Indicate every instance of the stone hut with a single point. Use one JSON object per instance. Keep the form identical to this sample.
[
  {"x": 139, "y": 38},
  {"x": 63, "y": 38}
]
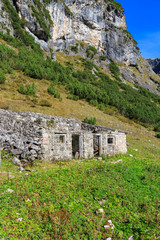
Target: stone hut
[{"x": 37, "y": 136}]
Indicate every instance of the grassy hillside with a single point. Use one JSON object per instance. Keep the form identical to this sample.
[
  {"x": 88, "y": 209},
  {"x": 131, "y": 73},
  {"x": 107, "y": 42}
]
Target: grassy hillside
[{"x": 27, "y": 75}]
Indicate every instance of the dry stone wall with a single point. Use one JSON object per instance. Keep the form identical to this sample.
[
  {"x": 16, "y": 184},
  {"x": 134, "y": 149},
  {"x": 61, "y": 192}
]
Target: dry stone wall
[{"x": 20, "y": 134}]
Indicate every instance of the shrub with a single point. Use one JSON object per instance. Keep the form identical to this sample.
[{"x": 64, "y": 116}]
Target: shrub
[
  {"x": 157, "y": 127},
  {"x": 51, "y": 90},
  {"x": 94, "y": 102},
  {"x": 69, "y": 66},
  {"x": 40, "y": 18},
  {"x": 91, "y": 51},
  {"x": 89, "y": 65},
  {"x": 102, "y": 58},
  {"x": 74, "y": 48},
  {"x": 29, "y": 90},
  {"x": 82, "y": 44},
  {"x": 33, "y": 70},
  {"x": 114, "y": 70},
  {"x": 158, "y": 135},
  {"x": 91, "y": 120},
  {"x": 101, "y": 107},
  {"x": 2, "y": 77},
  {"x": 73, "y": 97},
  {"x": 22, "y": 89}
]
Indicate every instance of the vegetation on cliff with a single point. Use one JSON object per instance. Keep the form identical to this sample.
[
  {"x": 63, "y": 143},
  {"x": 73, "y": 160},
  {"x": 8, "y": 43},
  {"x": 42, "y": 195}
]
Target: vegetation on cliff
[
  {"x": 18, "y": 25},
  {"x": 115, "y": 4}
]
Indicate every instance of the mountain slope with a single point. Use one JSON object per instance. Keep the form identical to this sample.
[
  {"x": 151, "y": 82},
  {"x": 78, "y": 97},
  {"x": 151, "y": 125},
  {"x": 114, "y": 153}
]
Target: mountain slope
[
  {"x": 101, "y": 80},
  {"x": 73, "y": 26},
  {"x": 81, "y": 78},
  {"x": 155, "y": 64}
]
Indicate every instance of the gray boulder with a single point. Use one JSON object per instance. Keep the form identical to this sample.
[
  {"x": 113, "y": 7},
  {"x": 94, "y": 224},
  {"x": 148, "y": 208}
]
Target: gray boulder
[{"x": 16, "y": 161}]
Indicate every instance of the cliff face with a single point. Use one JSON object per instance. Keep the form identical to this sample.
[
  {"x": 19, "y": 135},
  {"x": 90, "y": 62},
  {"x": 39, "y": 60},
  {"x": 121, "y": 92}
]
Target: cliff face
[
  {"x": 5, "y": 22},
  {"x": 99, "y": 23},
  {"x": 155, "y": 64},
  {"x": 58, "y": 25}
]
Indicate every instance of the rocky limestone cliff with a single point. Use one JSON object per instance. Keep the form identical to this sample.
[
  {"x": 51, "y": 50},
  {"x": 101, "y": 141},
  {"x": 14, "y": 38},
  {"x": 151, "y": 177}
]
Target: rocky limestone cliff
[
  {"x": 5, "y": 22},
  {"x": 98, "y": 23},
  {"x": 58, "y": 25},
  {"x": 155, "y": 64}
]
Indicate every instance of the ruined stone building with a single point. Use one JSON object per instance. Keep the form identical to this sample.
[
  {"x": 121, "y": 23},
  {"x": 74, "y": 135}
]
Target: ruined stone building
[{"x": 37, "y": 136}]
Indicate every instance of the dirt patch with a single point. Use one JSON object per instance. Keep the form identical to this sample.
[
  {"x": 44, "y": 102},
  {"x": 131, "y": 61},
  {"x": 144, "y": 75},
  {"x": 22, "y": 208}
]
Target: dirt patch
[{"x": 6, "y": 175}]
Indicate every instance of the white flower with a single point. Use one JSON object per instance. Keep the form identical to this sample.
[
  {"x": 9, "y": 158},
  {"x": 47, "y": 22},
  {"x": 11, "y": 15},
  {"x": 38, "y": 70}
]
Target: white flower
[
  {"x": 101, "y": 210},
  {"x": 110, "y": 221},
  {"x": 10, "y": 190},
  {"x": 106, "y": 226}
]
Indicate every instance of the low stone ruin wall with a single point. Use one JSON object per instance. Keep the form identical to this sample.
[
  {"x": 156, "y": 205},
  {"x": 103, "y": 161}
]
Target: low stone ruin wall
[{"x": 20, "y": 134}]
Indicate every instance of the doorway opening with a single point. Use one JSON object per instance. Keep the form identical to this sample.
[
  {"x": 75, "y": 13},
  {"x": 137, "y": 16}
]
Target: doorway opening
[
  {"x": 96, "y": 145},
  {"x": 75, "y": 146}
]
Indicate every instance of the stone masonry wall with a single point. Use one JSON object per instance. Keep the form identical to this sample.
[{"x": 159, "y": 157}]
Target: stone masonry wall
[
  {"x": 118, "y": 145},
  {"x": 121, "y": 146},
  {"x": 57, "y": 138},
  {"x": 33, "y": 135},
  {"x": 88, "y": 145},
  {"x": 20, "y": 134}
]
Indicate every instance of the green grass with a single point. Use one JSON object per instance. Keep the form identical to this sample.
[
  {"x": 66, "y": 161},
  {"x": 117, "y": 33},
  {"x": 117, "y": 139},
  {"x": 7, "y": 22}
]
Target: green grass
[{"x": 59, "y": 201}]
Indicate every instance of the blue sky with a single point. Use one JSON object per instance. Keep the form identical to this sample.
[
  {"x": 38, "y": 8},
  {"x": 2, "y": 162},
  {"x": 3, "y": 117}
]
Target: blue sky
[{"x": 143, "y": 21}]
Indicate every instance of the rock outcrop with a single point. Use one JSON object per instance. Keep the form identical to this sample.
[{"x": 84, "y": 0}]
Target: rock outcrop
[
  {"x": 63, "y": 25},
  {"x": 5, "y": 22},
  {"x": 60, "y": 24},
  {"x": 155, "y": 64}
]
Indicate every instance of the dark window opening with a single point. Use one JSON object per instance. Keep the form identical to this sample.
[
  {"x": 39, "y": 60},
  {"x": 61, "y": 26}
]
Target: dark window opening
[
  {"x": 60, "y": 138},
  {"x": 110, "y": 140},
  {"x": 75, "y": 146}
]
